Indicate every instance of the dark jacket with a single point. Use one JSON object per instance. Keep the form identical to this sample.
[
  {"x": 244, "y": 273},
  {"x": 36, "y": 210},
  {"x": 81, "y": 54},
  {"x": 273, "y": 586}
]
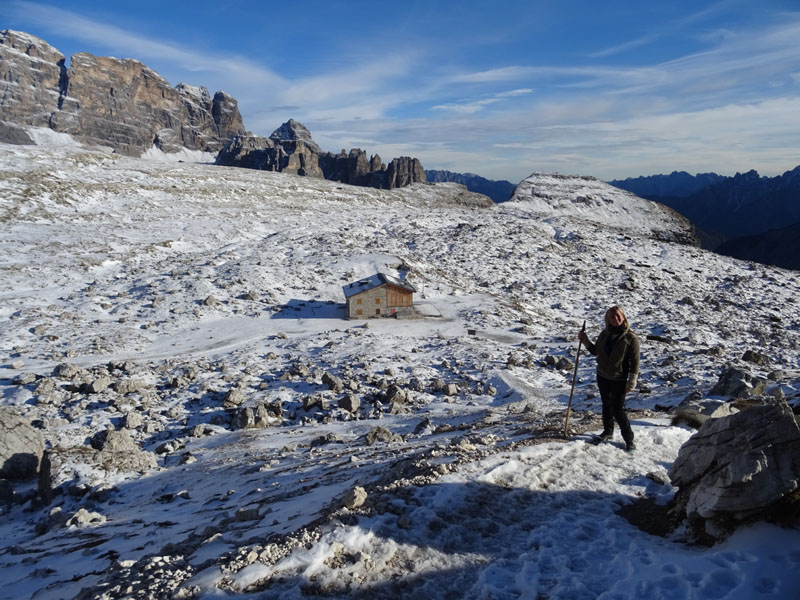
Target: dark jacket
[{"x": 617, "y": 359}]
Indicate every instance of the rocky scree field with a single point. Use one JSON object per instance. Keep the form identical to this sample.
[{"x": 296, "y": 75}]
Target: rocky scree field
[{"x": 175, "y": 333}]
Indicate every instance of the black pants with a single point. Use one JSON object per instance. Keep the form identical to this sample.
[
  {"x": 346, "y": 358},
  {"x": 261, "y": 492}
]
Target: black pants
[{"x": 612, "y": 392}]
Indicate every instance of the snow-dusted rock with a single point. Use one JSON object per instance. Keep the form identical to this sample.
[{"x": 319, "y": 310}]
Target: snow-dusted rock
[
  {"x": 132, "y": 420},
  {"x": 354, "y": 498},
  {"x": 695, "y": 411},
  {"x": 21, "y": 445},
  {"x": 83, "y": 518},
  {"x": 333, "y": 382},
  {"x": 737, "y": 383},
  {"x": 68, "y": 371},
  {"x": 95, "y": 386},
  {"x": 236, "y": 396},
  {"x": 118, "y": 452},
  {"x": 129, "y": 386},
  {"x": 350, "y": 403},
  {"x": 381, "y": 434},
  {"x": 756, "y": 358},
  {"x": 738, "y": 467},
  {"x": 257, "y": 415}
]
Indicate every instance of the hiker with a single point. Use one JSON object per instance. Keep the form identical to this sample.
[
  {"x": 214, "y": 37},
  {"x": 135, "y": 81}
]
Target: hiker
[{"x": 617, "y": 352}]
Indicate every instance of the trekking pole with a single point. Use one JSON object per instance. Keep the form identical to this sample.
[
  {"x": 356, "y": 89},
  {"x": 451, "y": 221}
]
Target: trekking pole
[{"x": 574, "y": 376}]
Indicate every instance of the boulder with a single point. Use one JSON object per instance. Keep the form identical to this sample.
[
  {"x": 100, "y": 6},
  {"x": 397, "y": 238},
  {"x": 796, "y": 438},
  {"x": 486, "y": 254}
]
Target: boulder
[
  {"x": 736, "y": 383},
  {"x": 234, "y": 397},
  {"x": 21, "y": 445},
  {"x": 350, "y": 403},
  {"x": 132, "y": 420},
  {"x": 451, "y": 389},
  {"x": 12, "y": 134},
  {"x": 354, "y": 498},
  {"x": 257, "y": 415},
  {"x": 381, "y": 434},
  {"x": 116, "y": 451},
  {"x": 756, "y": 358},
  {"x": 130, "y": 386},
  {"x": 68, "y": 371},
  {"x": 694, "y": 411},
  {"x": 332, "y": 382},
  {"x": 97, "y": 385},
  {"x": 736, "y": 468}
]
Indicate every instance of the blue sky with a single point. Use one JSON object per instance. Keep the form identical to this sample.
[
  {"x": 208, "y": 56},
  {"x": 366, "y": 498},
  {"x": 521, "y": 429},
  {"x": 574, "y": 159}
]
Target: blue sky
[{"x": 611, "y": 89}]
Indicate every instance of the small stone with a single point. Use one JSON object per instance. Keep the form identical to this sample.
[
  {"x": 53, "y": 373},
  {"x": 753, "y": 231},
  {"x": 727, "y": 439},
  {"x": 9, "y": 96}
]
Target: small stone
[
  {"x": 355, "y": 498},
  {"x": 247, "y": 514}
]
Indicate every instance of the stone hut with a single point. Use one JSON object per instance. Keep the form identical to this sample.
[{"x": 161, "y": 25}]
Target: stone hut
[{"x": 379, "y": 295}]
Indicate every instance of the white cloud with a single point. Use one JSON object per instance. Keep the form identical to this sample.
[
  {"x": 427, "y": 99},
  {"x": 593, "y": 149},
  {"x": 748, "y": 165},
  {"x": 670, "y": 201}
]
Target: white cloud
[
  {"x": 474, "y": 106},
  {"x": 233, "y": 68},
  {"x": 513, "y": 73}
]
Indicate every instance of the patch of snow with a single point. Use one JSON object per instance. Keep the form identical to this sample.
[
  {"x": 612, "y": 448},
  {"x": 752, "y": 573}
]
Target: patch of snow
[{"x": 183, "y": 155}]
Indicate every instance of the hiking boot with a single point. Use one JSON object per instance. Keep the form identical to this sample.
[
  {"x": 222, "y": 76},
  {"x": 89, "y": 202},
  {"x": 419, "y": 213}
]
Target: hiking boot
[
  {"x": 605, "y": 436},
  {"x": 630, "y": 447}
]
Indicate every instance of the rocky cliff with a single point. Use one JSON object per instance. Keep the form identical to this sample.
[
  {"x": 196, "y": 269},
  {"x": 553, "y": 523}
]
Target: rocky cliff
[
  {"x": 108, "y": 101},
  {"x": 291, "y": 149}
]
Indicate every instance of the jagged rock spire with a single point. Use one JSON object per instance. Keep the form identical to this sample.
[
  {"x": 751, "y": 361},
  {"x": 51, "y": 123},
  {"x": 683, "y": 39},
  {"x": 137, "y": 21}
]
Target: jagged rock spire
[{"x": 293, "y": 131}]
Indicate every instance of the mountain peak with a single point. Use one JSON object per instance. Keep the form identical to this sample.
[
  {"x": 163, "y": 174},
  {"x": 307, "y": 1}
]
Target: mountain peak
[{"x": 294, "y": 131}]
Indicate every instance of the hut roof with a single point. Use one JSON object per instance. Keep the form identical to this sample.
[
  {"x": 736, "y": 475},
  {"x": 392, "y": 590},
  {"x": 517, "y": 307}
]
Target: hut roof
[{"x": 373, "y": 281}]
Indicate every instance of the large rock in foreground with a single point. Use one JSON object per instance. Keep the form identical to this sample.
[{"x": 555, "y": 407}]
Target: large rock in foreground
[
  {"x": 738, "y": 468},
  {"x": 21, "y": 446}
]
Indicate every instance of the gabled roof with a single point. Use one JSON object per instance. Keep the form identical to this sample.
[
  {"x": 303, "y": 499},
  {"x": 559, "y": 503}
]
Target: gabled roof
[{"x": 373, "y": 281}]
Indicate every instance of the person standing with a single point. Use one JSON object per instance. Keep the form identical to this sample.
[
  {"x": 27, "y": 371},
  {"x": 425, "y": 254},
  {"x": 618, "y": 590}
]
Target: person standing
[{"x": 617, "y": 352}]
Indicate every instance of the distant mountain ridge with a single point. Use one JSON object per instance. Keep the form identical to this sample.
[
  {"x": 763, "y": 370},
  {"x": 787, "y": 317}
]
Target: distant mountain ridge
[
  {"x": 745, "y": 216},
  {"x": 745, "y": 204},
  {"x": 676, "y": 184},
  {"x": 125, "y": 105},
  {"x": 497, "y": 190}
]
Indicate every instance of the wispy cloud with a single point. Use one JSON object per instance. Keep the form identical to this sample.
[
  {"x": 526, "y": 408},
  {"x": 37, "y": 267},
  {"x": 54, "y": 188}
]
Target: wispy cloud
[
  {"x": 625, "y": 46},
  {"x": 664, "y": 29},
  {"x": 502, "y": 74},
  {"x": 64, "y": 22},
  {"x": 471, "y": 107}
]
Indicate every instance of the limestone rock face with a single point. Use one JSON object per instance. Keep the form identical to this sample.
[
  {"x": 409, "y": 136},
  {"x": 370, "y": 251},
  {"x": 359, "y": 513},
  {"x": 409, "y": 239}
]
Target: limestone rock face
[
  {"x": 32, "y": 76},
  {"x": 109, "y": 101},
  {"x": 404, "y": 171},
  {"x": 739, "y": 467},
  {"x": 290, "y": 149}
]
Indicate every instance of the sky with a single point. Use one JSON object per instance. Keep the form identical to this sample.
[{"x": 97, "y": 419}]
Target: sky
[{"x": 611, "y": 89}]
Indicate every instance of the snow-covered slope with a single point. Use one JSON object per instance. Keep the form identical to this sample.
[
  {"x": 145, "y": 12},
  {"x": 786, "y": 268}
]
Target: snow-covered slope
[
  {"x": 202, "y": 284},
  {"x": 588, "y": 198}
]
